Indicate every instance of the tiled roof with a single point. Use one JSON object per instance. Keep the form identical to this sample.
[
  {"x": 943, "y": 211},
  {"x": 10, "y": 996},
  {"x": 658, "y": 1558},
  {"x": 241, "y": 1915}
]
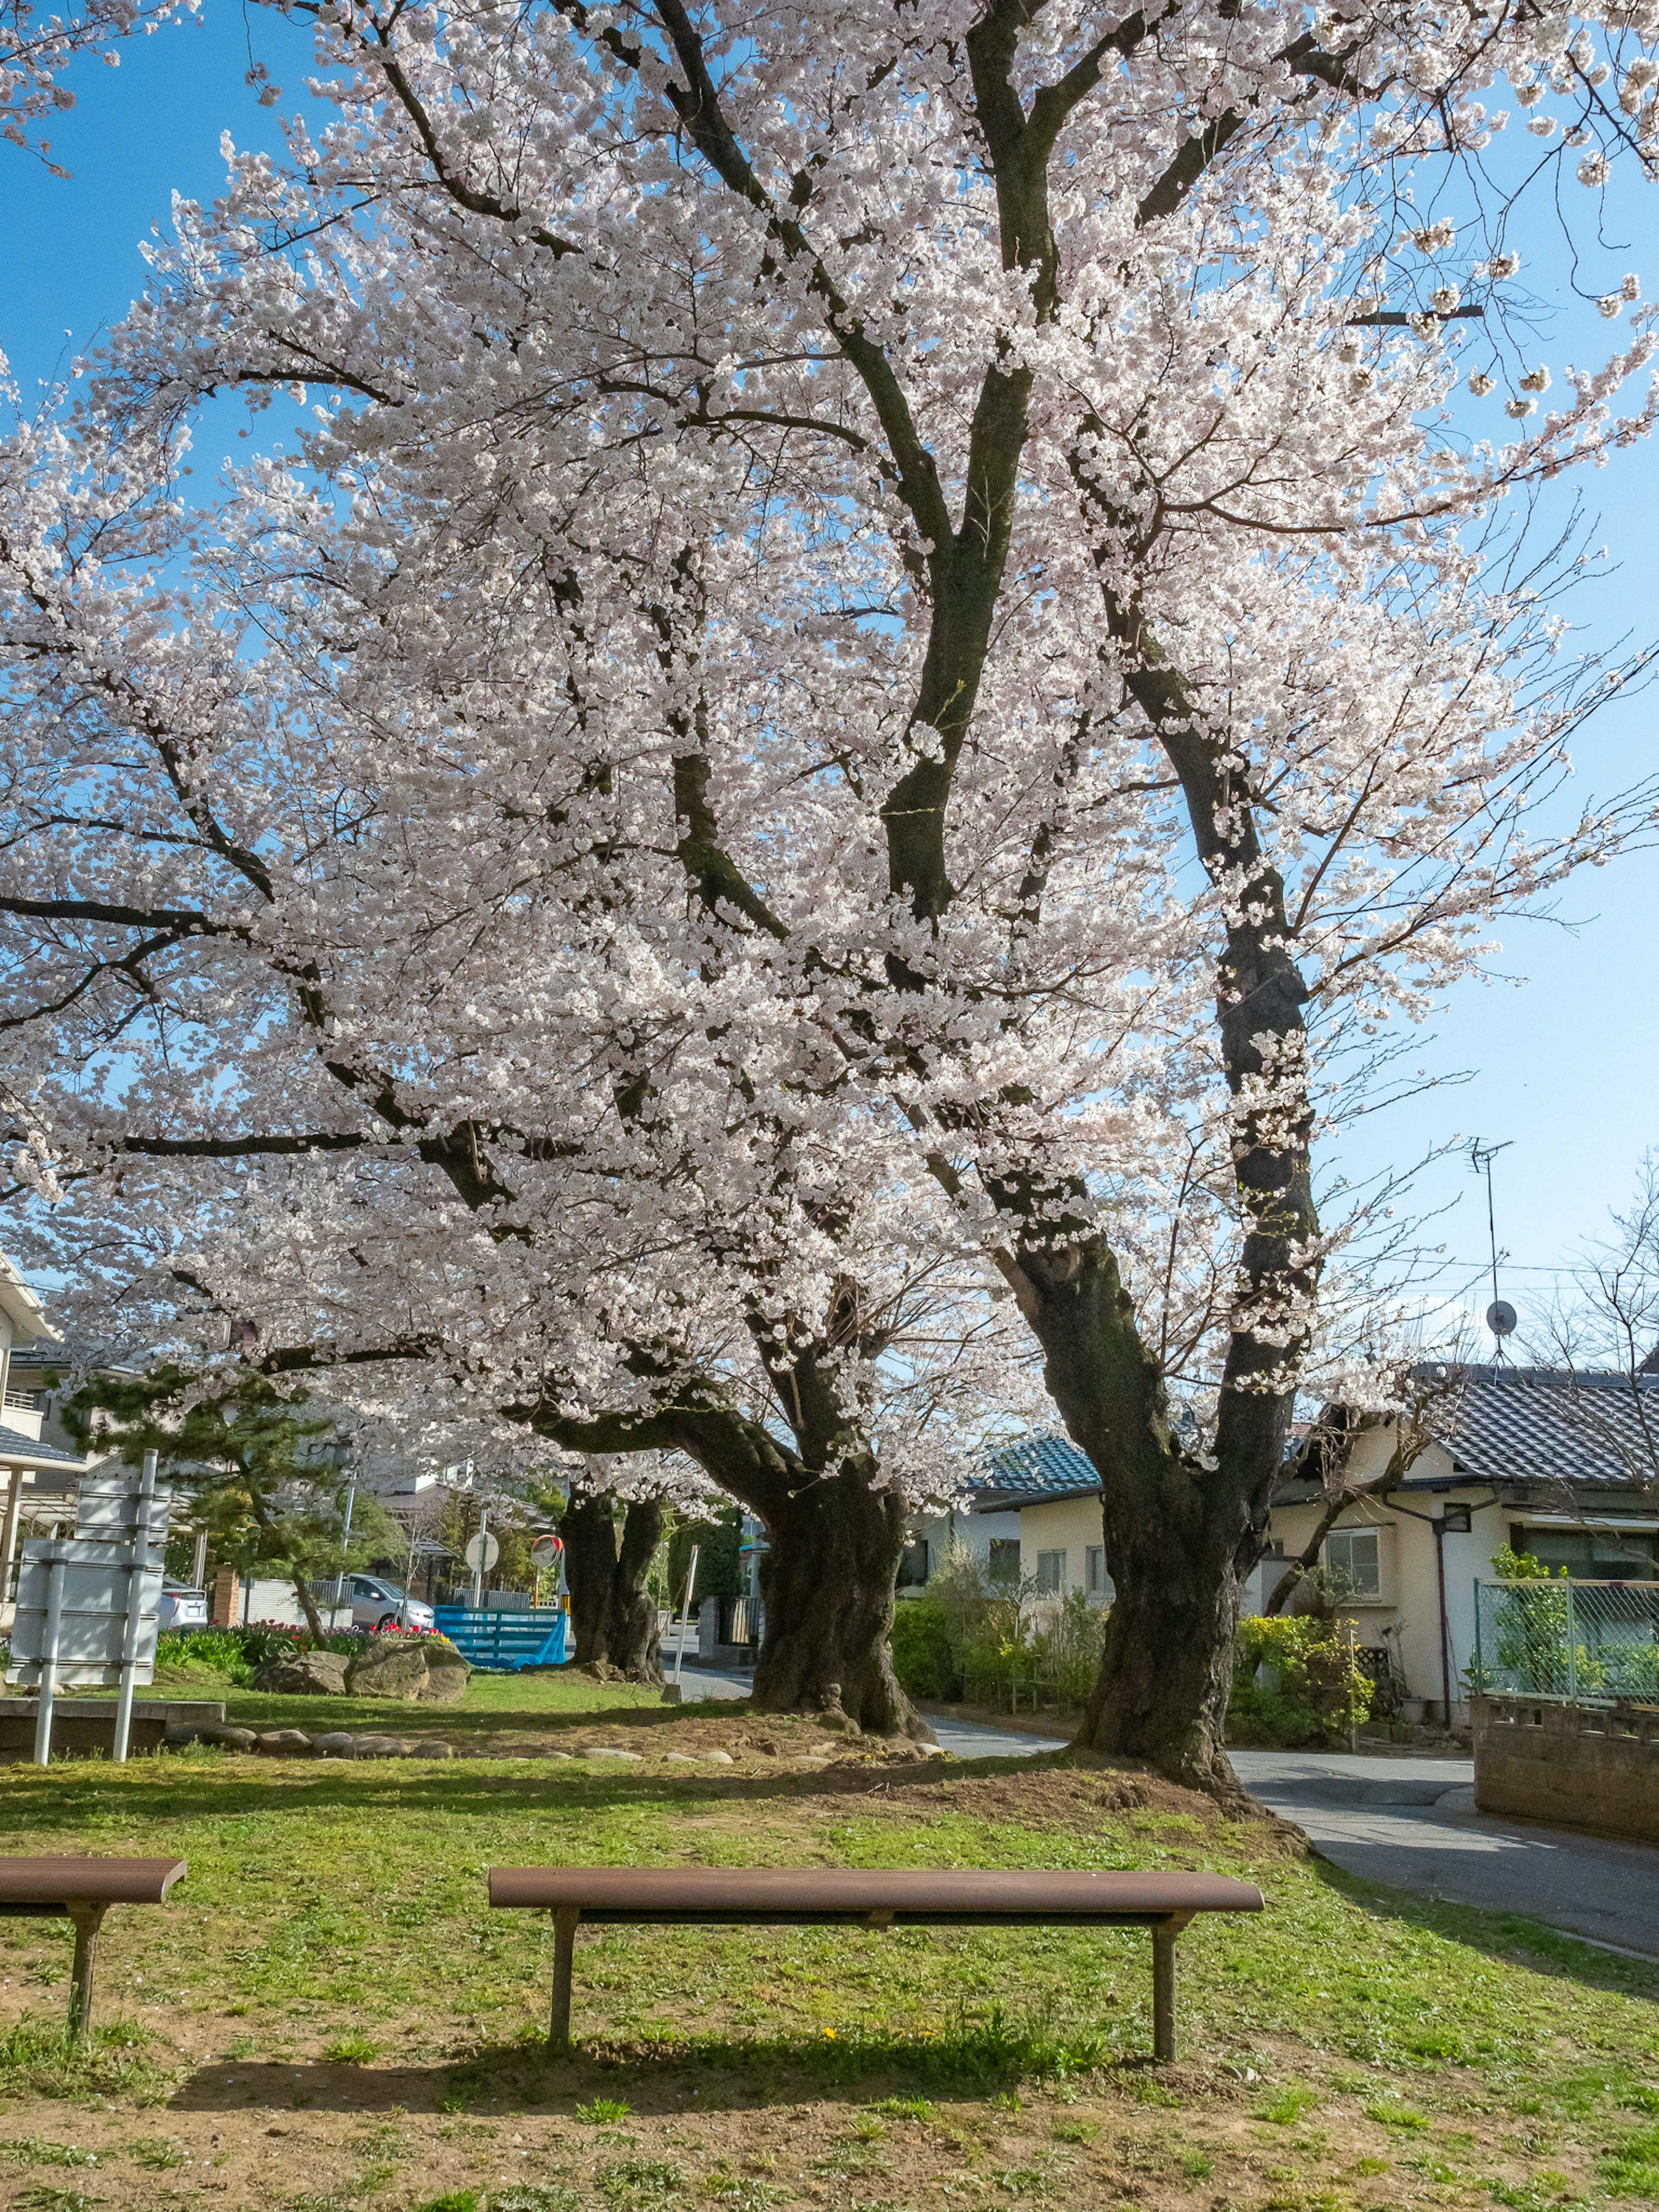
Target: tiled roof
[
  {"x": 1539, "y": 1424},
  {"x": 17, "y": 1447},
  {"x": 1038, "y": 1467}
]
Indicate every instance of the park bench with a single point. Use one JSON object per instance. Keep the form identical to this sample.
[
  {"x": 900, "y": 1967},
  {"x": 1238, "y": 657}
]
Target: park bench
[
  {"x": 771, "y": 1897},
  {"x": 83, "y": 1890}
]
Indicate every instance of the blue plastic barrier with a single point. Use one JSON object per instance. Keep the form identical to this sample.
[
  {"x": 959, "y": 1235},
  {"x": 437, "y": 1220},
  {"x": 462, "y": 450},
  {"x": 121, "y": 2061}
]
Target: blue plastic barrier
[{"x": 500, "y": 1643}]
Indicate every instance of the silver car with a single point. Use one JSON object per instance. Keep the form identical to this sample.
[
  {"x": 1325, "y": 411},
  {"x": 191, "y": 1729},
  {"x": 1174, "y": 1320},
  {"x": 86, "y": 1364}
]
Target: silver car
[
  {"x": 377, "y": 1603},
  {"x": 180, "y": 1607}
]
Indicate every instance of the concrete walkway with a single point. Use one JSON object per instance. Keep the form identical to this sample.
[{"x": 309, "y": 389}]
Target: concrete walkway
[
  {"x": 963, "y": 1738},
  {"x": 1408, "y": 1821}
]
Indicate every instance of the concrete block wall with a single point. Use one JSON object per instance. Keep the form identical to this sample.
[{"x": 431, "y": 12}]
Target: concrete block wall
[{"x": 1581, "y": 1766}]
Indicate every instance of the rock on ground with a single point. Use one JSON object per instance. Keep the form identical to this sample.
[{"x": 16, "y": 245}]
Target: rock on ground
[
  {"x": 303, "y": 1674},
  {"x": 414, "y": 1668},
  {"x": 283, "y": 1743}
]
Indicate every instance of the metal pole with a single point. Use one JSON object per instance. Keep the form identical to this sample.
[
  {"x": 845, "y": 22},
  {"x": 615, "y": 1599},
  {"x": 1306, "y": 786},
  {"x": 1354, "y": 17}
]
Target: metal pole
[
  {"x": 88, "y": 1920},
  {"x": 1164, "y": 2031},
  {"x": 1354, "y": 1669},
  {"x": 685, "y": 1612},
  {"x": 137, "y": 1560},
  {"x": 478, "y": 1571},
  {"x": 49, "y": 1642},
  {"x": 1572, "y": 1647},
  {"x": 198, "y": 1565},
  {"x": 565, "y": 1917},
  {"x": 345, "y": 1540}
]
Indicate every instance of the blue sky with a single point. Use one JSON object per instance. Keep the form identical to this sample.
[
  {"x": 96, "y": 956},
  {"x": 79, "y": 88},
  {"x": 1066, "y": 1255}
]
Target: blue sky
[{"x": 1563, "y": 1055}]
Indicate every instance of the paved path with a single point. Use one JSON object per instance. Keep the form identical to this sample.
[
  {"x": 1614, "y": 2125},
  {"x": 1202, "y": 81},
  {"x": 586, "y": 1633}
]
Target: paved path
[
  {"x": 967, "y": 1738},
  {"x": 1408, "y": 1821}
]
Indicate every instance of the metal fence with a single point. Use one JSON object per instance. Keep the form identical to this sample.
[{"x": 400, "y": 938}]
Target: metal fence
[{"x": 1593, "y": 1643}]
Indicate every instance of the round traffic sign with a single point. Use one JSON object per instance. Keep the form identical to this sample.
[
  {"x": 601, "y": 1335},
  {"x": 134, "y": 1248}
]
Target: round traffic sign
[{"x": 482, "y": 1549}]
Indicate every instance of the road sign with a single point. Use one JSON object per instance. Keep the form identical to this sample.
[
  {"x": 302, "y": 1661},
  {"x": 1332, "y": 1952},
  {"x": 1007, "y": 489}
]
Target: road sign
[
  {"x": 546, "y": 1550},
  {"x": 482, "y": 1551}
]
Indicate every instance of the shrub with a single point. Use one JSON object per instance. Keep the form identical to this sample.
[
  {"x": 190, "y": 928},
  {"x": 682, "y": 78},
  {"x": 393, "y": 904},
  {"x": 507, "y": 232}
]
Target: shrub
[
  {"x": 1296, "y": 1683},
  {"x": 925, "y": 1658}
]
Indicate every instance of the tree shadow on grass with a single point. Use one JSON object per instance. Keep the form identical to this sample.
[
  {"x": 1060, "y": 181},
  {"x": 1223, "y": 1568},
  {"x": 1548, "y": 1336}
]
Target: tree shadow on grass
[
  {"x": 980, "y": 2057},
  {"x": 1514, "y": 1938}
]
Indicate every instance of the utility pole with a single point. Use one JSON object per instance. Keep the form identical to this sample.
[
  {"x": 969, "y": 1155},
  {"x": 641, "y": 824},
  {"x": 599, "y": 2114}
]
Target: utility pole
[{"x": 1500, "y": 1314}]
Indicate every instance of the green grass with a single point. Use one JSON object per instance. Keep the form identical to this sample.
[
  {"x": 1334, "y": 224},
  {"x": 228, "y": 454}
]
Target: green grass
[{"x": 337, "y": 1913}]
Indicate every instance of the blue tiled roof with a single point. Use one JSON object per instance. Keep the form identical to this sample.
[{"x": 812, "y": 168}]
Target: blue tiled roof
[
  {"x": 1039, "y": 1467},
  {"x": 15, "y": 1447}
]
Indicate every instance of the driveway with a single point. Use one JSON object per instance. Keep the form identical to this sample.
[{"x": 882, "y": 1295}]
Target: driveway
[{"x": 1408, "y": 1821}]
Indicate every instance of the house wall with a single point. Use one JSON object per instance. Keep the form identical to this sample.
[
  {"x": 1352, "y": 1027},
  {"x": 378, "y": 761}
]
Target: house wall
[
  {"x": 973, "y": 1531},
  {"x": 1071, "y": 1525},
  {"x": 1408, "y": 1614}
]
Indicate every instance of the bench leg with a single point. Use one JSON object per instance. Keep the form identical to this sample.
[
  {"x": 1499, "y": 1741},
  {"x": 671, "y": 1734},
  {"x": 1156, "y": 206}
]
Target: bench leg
[
  {"x": 88, "y": 1920},
  {"x": 1163, "y": 1994},
  {"x": 565, "y": 1917}
]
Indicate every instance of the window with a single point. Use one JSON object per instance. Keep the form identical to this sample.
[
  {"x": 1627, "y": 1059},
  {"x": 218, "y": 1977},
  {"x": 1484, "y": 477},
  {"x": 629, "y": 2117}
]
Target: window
[
  {"x": 1096, "y": 1580},
  {"x": 1003, "y": 1563},
  {"x": 1354, "y": 1557},
  {"x": 1594, "y": 1555},
  {"x": 1051, "y": 1572},
  {"x": 913, "y": 1565}
]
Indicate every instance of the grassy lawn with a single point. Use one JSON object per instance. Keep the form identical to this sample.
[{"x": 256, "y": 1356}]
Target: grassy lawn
[{"x": 328, "y": 2016}]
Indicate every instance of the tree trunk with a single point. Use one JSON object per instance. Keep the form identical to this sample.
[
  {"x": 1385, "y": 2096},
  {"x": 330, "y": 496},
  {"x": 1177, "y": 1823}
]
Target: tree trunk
[
  {"x": 634, "y": 1643},
  {"x": 309, "y": 1607},
  {"x": 611, "y": 1614},
  {"x": 827, "y": 1581},
  {"x": 589, "y": 1529},
  {"x": 1166, "y": 1669}
]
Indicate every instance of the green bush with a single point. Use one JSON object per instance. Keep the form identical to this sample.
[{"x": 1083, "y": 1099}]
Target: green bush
[
  {"x": 1296, "y": 1683},
  {"x": 925, "y": 1661}
]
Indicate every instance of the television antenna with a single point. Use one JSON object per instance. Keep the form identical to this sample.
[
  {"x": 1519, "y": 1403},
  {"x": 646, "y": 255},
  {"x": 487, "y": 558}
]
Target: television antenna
[{"x": 1501, "y": 1315}]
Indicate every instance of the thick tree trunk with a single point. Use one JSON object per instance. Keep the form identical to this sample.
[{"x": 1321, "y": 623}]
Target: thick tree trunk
[
  {"x": 828, "y": 1579},
  {"x": 589, "y": 1529},
  {"x": 1166, "y": 1669},
  {"x": 634, "y": 1642},
  {"x": 612, "y": 1618}
]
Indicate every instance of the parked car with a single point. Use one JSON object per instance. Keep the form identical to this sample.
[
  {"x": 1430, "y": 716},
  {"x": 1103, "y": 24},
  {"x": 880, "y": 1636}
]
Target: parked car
[
  {"x": 180, "y": 1607},
  {"x": 377, "y": 1603}
]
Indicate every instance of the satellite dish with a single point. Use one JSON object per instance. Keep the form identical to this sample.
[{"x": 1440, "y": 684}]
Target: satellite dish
[{"x": 1501, "y": 1317}]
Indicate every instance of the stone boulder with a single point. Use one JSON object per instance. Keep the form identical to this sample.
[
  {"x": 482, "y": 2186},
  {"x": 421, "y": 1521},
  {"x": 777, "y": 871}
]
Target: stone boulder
[
  {"x": 283, "y": 1743},
  {"x": 227, "y": 1736},
  {"x": 447, "y": 1672},
  {"x": 303, "y": 1674},
  {"x": 414, "y": 1668}
]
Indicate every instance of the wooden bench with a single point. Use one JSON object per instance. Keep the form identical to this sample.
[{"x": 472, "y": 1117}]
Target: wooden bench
[
  {"x": 772, "y": 1896},
  {"x": 83, "y": 1890}
]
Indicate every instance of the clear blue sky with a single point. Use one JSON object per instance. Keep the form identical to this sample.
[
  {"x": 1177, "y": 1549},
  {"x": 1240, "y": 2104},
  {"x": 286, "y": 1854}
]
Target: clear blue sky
[{"x": 1563, "y": 1059}]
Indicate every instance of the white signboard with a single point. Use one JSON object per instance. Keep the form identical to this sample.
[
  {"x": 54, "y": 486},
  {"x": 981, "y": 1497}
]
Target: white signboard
[{"x": 88, "y": 1605}]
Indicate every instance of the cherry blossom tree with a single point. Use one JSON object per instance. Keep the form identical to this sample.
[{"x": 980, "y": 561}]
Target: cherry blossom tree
[{"x": 864, "y": 656}]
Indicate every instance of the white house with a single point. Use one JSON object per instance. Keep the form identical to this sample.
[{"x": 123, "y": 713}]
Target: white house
[
  {"x": 1561, "y": 1467},
  {"x": 40, "y": 1474}
]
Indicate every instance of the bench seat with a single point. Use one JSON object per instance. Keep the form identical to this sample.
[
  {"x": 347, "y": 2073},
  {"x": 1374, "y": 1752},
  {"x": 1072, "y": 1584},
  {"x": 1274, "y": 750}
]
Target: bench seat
[
  {"x": 83, "y": 1890},
  {"x": 908, "y": 1897}
]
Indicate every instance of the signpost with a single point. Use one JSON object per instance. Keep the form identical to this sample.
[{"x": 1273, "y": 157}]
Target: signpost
[
  {"x": 88, "y": 1605},
  {"x": 481, "y": 1554}
]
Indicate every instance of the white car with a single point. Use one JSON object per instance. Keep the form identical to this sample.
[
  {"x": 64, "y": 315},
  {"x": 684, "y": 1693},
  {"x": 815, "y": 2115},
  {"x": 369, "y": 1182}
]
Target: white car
[
  {"x": 180, "y": 1607},
  {"x": 377, "y": 1603}
]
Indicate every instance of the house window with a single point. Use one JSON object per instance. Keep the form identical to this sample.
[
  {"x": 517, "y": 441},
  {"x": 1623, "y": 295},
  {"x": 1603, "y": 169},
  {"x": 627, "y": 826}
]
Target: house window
[
  {"x": 1354, "y": 1557},
  {"x": 1596, "y": 1555},
  {"x": 1051, "y": 1572},
  {"x": 1096, "y": 1580},
  {"x": 913, "y": 1565},
  {"x": 1003, "y": 1563}
]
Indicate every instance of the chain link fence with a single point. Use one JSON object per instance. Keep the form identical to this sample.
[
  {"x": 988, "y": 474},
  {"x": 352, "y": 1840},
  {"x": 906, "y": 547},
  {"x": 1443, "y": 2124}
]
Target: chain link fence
[{"x": 1591, "y": 1642}]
